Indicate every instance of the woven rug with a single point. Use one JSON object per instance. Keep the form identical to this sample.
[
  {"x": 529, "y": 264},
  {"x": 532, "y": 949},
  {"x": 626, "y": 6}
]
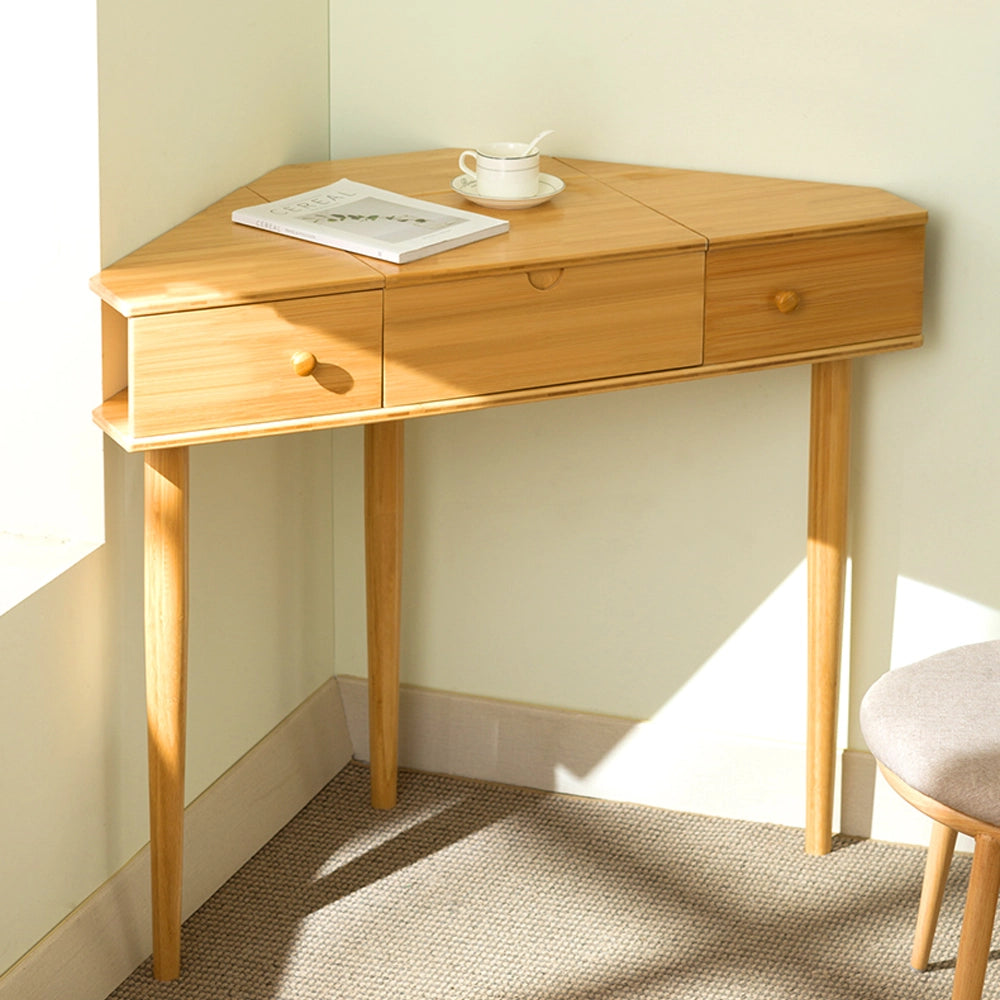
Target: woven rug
[{"x": 471, "y": 891}]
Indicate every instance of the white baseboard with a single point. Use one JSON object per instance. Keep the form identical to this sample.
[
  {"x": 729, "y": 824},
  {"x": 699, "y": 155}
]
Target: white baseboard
[
  {"x": 651, "y": 763},
  {"x": 105, "y": 938},
  {"x": 690, "y": 769}
]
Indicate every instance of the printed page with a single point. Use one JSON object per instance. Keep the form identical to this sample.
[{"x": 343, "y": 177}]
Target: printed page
[{"x": 382, "y": 220}]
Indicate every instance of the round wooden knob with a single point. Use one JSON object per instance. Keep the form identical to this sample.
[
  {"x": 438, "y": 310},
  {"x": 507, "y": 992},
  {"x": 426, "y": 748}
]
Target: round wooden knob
[
  {"x": 787, "y": 301},
  {"x": 303, "y": 362}
]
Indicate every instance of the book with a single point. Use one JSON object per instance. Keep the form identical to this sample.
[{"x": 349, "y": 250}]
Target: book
[{"x": 372, "y": 222}]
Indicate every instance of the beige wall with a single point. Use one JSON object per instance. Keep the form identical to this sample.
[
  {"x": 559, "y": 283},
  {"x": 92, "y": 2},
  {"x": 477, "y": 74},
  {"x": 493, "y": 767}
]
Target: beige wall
[
  {"x": 195, "y": 99},
  {"x": 641, "y": 554}
]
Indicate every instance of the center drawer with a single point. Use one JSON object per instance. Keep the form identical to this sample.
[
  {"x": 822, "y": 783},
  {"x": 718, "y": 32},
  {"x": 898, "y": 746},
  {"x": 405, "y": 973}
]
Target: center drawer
[
  {"x": 236, "y": 365},
  {"x": 520, "y": 330}
]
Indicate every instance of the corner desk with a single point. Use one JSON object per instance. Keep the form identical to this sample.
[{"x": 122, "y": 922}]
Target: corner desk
[{"x": 632, "y": 276}]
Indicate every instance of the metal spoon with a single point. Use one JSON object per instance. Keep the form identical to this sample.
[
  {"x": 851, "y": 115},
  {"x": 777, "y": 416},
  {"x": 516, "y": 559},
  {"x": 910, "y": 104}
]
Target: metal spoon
[{"x": 530, "y": 148}]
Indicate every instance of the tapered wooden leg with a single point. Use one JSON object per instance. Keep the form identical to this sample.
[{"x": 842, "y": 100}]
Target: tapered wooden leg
[
  {"x": 166, "y": 555},
  {"x": 383, "y": 552},
  {"x": 935, "y": 877},
  {"x": 977, "y": 924},
  {"x": 827, "y": 560}
]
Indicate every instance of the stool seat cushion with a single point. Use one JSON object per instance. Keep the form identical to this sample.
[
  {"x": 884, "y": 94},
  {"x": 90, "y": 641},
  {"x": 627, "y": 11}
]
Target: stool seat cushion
[{"x": 936, "y": 724}]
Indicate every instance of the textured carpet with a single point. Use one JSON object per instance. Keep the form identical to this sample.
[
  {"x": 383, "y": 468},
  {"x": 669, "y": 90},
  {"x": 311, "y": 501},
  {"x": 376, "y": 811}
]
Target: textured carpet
[{"x": 469, "y": 891}]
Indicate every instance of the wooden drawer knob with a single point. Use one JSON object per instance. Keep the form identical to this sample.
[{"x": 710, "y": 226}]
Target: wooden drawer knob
[
  {"x": 303, "y": 362},
  {"x": 787, "y": 301}
]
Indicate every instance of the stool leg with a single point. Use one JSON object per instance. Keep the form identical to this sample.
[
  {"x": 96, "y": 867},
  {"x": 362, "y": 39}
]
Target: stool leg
[
  {"x": 935, "y": 876},
  {"x": 977, "y": 924}
]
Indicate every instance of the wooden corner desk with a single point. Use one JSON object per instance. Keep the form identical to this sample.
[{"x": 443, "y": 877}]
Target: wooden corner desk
[{"x": 632, "y": 276}]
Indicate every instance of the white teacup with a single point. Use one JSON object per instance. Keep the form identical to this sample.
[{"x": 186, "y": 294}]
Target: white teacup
[{"x": 502, "y": 170}]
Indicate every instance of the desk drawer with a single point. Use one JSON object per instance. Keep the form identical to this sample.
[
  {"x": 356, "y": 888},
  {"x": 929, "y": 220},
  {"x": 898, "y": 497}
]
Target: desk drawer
[
  {"x": 225, "y": 367},
  {"x": 763, "y": 301},
  {"x": 516, "y": 331}
]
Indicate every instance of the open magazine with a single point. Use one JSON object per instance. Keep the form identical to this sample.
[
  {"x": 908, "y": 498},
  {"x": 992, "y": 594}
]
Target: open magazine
[{"x": 372, "y": 222}]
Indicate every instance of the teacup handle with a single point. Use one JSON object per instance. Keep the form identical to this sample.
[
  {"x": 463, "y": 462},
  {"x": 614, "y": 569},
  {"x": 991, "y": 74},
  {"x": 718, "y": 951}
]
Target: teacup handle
[{"x": 461, "y": 162}]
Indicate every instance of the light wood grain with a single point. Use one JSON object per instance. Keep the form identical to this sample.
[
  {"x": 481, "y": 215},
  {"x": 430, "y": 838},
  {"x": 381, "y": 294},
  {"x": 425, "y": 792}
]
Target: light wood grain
[
  {"x": 502, "y": 333},
  {"x": 609, "y": 214},
  {"x": 166, "y": 598},
  {"x": 416, "y": 174},
  {"x": 383, "y": 556},
  {"x": 218, "y": 367},
  {"x": 113, "y": 415},
  {"x": 978, "y": 920},
  {"x": 587, "y": 222},
  {"x": 938, "y": 811},
  {"x": 209, "y": 261},
  {"x": 731, "y": 209},
  {"x": 114, "y": 351},
  {"x": 836, "y": 290},
  {"x": 826, "y": 557},
  {"x": 939, "y": 857},
  {"x": 601, "y": 288}
]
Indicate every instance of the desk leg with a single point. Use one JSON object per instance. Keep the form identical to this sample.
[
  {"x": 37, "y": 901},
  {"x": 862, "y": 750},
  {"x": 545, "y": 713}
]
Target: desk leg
[
  {"x": 383, "y": 553},
  {"x": 166, "y": 545},
  {"x": 826, "y": 558}
]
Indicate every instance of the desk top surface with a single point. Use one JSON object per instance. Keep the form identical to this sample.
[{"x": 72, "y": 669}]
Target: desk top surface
[{"x": 608, "y": 211}]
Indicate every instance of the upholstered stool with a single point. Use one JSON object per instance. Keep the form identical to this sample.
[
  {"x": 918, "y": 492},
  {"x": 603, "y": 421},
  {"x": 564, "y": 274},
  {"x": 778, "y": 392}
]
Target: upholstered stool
[{"x": 934, "y": 728}]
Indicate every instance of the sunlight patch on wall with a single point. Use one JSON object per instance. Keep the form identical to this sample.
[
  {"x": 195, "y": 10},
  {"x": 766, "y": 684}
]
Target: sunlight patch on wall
[
  {"x": 731, "y": 741},
  {"x": 754, "y": 684},
  {"x": 929, "y": 620}
]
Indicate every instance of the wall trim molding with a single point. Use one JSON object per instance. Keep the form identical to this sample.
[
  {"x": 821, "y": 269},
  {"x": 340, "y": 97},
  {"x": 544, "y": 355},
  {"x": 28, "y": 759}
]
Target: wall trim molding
[
  {"x": 108, "y": 935},
  {"x": 689, "y": 768},
  {"x": 656, "y": 762}
]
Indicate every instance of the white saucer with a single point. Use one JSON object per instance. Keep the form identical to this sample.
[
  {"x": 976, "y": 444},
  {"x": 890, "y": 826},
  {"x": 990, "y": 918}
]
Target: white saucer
[{"x": 548, "y": 187}]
